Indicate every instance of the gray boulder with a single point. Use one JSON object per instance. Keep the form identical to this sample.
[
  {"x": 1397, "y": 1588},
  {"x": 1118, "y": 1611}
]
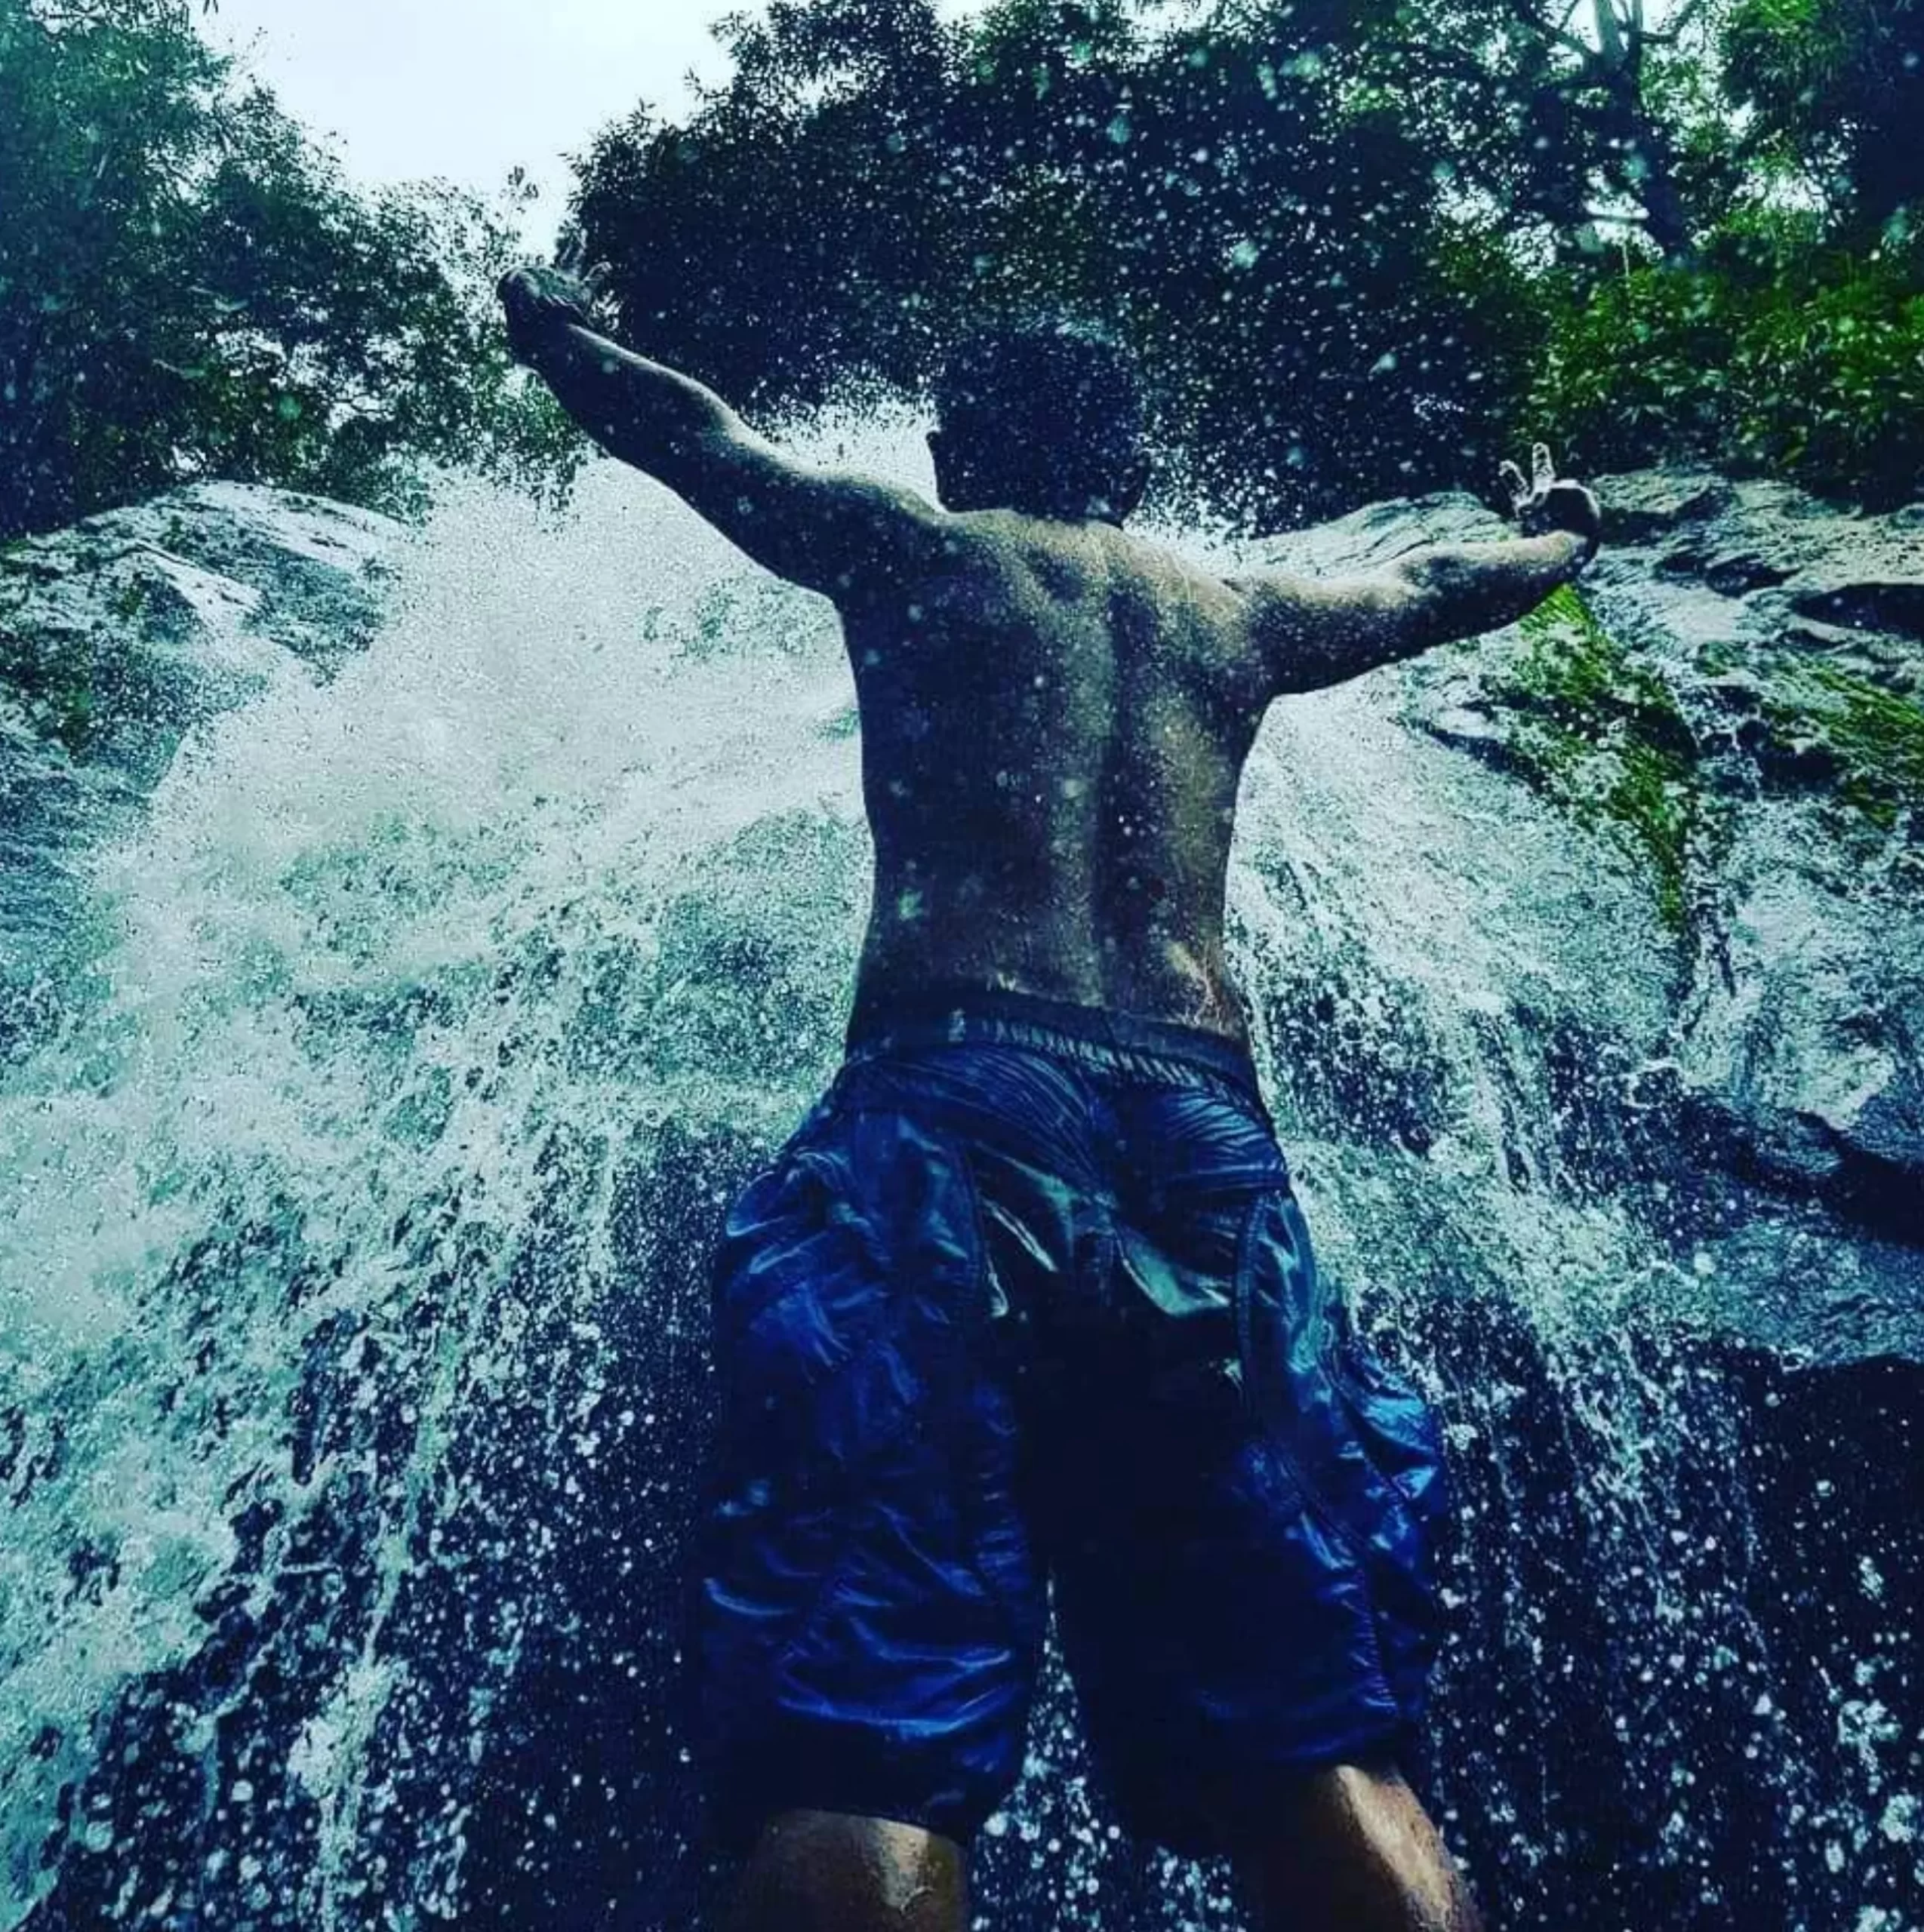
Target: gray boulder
[{"x": 118, "y": 637}]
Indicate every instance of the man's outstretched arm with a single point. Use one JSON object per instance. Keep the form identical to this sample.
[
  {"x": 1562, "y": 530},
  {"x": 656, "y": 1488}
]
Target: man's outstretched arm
[
  {"x": 827, "y": 531},
  {"x": 1310, "y": 633}
]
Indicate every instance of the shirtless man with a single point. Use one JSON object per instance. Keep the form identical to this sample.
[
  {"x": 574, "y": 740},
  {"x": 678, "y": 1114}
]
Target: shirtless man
[{"x": 1027, "y": 1298}]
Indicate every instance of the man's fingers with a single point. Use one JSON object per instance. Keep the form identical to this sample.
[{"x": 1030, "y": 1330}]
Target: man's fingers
[
  {"x": 1544, "y": 464},
  {"x": 1514, "y": 481}
]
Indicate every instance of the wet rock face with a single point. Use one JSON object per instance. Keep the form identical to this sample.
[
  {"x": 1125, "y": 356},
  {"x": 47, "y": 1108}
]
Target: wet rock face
[
  {"x": 1804, "y": 1019},
  {"x": 342, "y": 1572},
  {"x": 125, "y": 630},
  {"x": 120, "y": 635},
  {"x": 1766, "y": 649}
]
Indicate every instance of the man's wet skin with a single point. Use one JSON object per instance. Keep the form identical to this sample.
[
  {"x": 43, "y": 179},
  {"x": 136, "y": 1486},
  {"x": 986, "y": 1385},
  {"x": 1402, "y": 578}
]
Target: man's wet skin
[{"x": 1054, "y": 727}]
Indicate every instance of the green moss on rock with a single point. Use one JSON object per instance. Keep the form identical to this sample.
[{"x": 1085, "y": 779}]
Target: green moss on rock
[
  {"x": 1603, "y": 735},
  {"x": 52, "y": 681},
  {"x": 1867, "y": 740}
]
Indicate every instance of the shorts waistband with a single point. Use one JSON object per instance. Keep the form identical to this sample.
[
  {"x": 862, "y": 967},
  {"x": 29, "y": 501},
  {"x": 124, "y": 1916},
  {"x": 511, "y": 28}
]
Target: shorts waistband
[{"x": 1092, "y": 1035}]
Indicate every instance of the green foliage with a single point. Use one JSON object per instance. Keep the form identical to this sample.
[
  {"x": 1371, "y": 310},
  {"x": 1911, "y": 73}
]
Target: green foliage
[
  {"x": 1604, "y": 736},
  {"x": 1550, "y": 110},
  {"x": 1360, "y": 248},
  {"x": 1632, "y": 367},
  {"x": 1835, "y": 90},
  {"x": 1777, "y": 352},
  {"x": 1243, "y": 204},
  {"x": 188, "y": 287},
  {"x": 1363, "y": 247}
]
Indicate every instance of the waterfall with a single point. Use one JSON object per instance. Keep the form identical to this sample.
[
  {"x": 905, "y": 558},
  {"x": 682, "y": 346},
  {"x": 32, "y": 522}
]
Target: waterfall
[{"x": 353, "y": 1356}]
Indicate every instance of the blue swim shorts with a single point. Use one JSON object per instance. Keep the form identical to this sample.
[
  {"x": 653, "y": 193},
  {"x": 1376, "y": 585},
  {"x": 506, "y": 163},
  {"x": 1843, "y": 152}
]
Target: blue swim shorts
[{"x": 1028, "y": 1298}]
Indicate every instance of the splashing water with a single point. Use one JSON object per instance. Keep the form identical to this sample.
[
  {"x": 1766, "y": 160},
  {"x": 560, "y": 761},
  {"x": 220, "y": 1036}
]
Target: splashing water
[{"x": 355, "y": 1371}]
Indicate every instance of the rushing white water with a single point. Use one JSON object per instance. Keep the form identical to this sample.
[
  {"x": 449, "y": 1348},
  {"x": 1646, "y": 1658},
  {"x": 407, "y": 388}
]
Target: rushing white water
[{"x": 352, "y": 1355}]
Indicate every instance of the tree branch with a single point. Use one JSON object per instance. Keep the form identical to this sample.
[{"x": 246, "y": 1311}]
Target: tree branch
[
  {"x": 1609, "y": 34},
  {"x": 1681, "y": 18},
  {"x": 1561, "y": 36}
]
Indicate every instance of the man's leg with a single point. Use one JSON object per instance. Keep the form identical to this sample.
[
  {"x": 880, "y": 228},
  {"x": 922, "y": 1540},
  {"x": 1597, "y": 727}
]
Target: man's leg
[
  {"x": 1353, "y": 1851},
  {"x": 869, "y": 1612},
  {"x": 826, "y": 1872}
]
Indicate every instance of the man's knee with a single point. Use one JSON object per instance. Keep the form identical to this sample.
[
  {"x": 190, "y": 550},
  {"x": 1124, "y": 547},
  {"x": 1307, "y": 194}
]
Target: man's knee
[
  {"x": 827, "y": 1872},
  {"x": 1353, "y": 1848}
]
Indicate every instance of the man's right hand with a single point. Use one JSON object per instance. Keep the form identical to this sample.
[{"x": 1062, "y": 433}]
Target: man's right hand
[
  {"x": 1311, "y": 633},
  {"x": 1544, "y": 501},
  {"x": 539, "y": 298}
]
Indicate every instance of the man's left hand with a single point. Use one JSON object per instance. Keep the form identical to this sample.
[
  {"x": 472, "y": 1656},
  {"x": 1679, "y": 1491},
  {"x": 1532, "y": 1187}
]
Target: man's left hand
[{"x": 1543, "y": 501}]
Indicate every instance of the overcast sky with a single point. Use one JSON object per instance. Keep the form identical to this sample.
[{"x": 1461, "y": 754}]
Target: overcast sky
[{"x": 469, "y": 89}]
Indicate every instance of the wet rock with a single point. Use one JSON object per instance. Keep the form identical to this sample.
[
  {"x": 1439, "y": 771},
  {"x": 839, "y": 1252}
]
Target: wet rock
[
  {"x": 1636, "y": 1198},
  {"x": 1647, "y": 503},
  {"x": 1784, "y": 1541},
  {"x": 1799, "y": 1023},
  {"x": 1865, "y": 603},
  {"x": 120, "y": 635},
  {"x": 1730, "y": 572}
]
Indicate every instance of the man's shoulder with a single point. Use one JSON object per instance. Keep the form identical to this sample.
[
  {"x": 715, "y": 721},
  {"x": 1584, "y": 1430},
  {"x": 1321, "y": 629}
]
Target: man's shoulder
[
  {"x": 998, "y": 553},
  {"x": 1013, "y": 538},
  {"x": 983, "y": 548}
]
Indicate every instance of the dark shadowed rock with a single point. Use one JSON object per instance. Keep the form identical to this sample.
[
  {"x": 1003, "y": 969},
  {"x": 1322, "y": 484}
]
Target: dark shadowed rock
[{"x": 1650, "y": 503}]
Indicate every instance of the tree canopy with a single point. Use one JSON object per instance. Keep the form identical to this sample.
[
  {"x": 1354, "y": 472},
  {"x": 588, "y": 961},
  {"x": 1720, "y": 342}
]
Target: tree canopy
[
  {"x": 1361, "y": 245},
  {"x": 189, "y": 286}
]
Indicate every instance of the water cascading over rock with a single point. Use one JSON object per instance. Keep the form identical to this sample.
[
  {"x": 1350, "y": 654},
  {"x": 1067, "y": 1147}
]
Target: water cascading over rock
[{"x": 386, "y": 1027}]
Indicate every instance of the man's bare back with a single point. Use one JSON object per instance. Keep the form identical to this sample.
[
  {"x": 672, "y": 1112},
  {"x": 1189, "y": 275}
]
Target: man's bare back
[
  {"x": 1055, "y": 716},
  {"x": 1053, "y": 729}
]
